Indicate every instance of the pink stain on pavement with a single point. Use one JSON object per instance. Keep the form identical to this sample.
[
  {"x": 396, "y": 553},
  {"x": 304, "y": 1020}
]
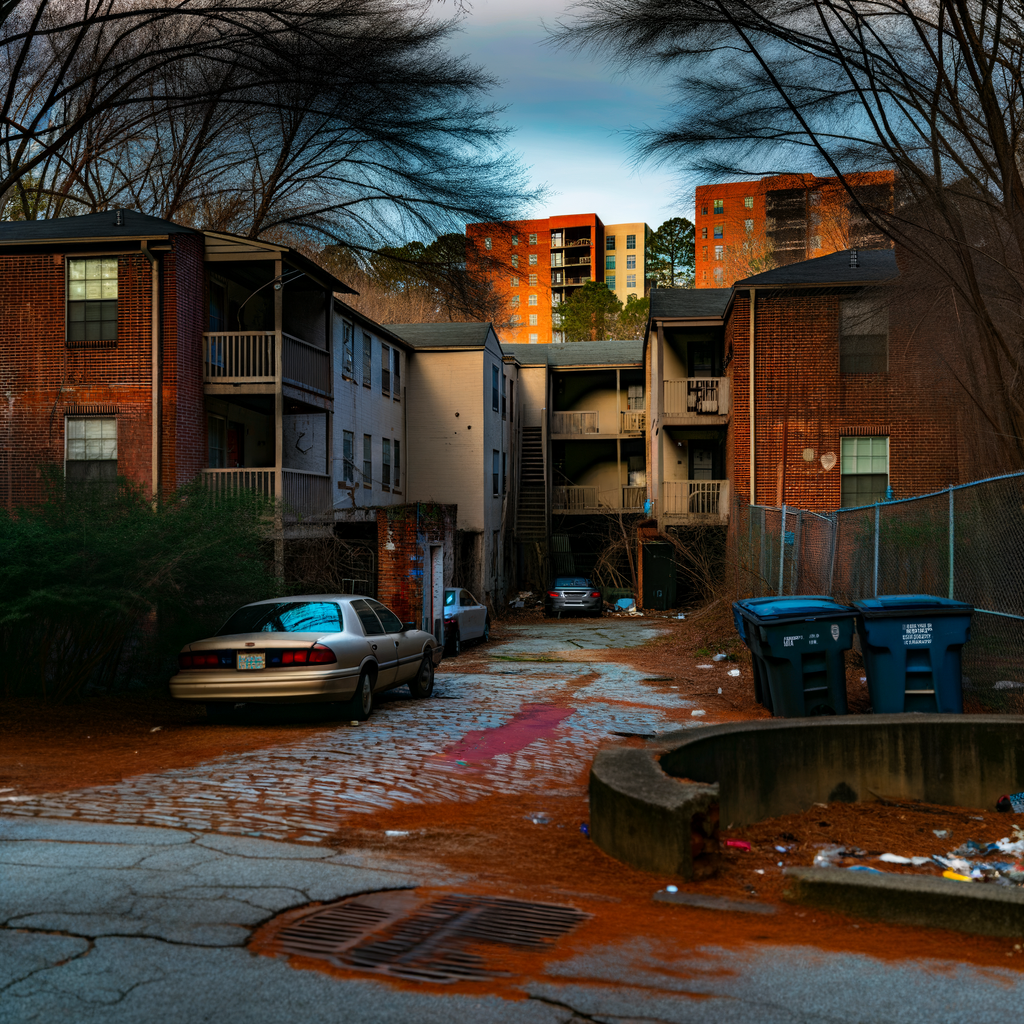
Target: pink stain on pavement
[{"x": 532, "y": 722}]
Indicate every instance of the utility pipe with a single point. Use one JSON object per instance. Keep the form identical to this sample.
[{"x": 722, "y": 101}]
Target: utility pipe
[
  {"x": 155, "y": 375},
  {"x": 753, "y": 434}
]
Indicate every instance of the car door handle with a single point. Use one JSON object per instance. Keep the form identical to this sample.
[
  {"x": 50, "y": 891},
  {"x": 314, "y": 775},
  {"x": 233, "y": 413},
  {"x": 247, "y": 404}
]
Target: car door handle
[{"x": 396, "y": 643}]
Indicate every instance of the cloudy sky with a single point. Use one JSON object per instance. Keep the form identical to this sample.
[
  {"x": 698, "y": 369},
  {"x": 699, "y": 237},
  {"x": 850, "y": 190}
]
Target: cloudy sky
[{"x": 570, "y": 115}]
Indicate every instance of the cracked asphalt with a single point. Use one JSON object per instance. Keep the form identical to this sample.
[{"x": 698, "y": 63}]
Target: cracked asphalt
[{"x": 135, "y": 902}]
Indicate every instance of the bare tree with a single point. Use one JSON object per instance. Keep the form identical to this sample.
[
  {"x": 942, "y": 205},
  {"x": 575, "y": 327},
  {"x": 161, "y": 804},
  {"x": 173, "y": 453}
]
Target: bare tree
[
  {"x": 343, "y": 120},
  {"x": 836, "y": 87}
]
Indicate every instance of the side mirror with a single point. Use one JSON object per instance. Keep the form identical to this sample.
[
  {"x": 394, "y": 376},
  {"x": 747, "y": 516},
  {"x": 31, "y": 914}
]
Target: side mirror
[{"x": 406, "y": 626}]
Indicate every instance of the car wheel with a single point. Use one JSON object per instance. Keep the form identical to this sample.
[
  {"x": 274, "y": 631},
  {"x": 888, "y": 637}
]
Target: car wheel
[
  {"x": 486, "y": 635},
  {"x": 423, "y": 685},
  {"x": 359, "y": 707},
  {"x": 455, "y": 643}
]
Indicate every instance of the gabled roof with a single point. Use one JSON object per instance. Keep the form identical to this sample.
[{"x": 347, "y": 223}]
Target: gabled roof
[
  {"x": 873, "y": 265},
  {"x": 684, "y": 303},
  {"x": 461, "y": 335},
  {"x": 90, "y": 226},
  {"x": 579, "y": 353}
]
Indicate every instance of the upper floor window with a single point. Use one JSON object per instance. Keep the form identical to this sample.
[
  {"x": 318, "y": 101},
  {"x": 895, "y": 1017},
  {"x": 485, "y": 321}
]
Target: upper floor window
[
  {"x": 609, "y": 263},
  {"x": 631, "y": 280},
  {"x": 515, "y": 281},
  {"x": 719, "y": 205},
  {"x": 532, "y": 301},
  {"x": 704, "y": 232},
  {"x": 719, "y": 231},
  {"x": 514, "y": 302},
  {"x": 863, "y": 336},
  {"x": 748, "y": 226},
  {"x": 748, "y": 202},
  {"x": 533, "y": 339},
  {"x": 533, "y": 239},
  {"x": 92, "y": 300},
  {"x": 494, "y": 389},
  {"x": 385, "y": 369},
  {"x": 385, "y": 461},
  {"x": 609, "y": 242},
  {"x": 719, "y": 250},
  {"x": 367, "y": 360},
  {"x": 864, "y": 470},
  {"x": 515, "y": 239},
  {"x": 719, "y": 275},
  {"x": 533, "y": 259},
  {"x": 504, "y": 386},
  {"x": 609, "y": 280},
  {"x": 396, "y": 374},
  {"x": 348, "y": 445},
  {"x": 515, "y": 261},
  {"x": 631, "y": 263},
  {"x": 630, "y": 241},
  {"x": 704, "y": 210},
  {"x": 348, "y": 356}
]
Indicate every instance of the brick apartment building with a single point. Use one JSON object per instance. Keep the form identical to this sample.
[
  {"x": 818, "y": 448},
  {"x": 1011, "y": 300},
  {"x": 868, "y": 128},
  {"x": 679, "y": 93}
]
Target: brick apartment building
[
  {"x": 848, "y": 399},
  {"x": 743, "y": 227},
  {"x": 535, "y": 265}
]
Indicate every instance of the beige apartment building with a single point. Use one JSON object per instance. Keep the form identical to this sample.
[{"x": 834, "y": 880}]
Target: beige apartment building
[{"x": 625, "y": 259}]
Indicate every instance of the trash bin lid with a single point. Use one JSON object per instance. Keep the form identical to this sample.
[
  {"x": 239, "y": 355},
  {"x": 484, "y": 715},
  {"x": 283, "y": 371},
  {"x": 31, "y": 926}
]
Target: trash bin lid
[
  {"x": 897, "y": 605},
  {"x": 800, "y": 607}
]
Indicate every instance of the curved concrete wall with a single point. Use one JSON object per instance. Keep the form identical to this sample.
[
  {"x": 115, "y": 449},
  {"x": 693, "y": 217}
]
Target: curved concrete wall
[{"x": 764, "y": 769}]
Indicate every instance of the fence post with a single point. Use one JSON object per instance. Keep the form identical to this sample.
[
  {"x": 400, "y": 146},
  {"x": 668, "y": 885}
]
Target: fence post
[
  {"x": 878, "y": 510},
  {"x": 798, "y": 539},
  {"x": 832, "y": 551},
  {"x": 951, "y": 543},
  {"x": 782, "y": 552}
]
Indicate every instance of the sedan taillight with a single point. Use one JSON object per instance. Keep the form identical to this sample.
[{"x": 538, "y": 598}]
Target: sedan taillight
[
  {"x": 318, "y": 654},
  {"x": 201, "y": 659}
]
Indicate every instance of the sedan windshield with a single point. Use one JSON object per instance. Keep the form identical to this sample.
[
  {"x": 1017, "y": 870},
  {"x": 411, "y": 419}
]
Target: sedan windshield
[
  {"x": 285, "y": 617},
  {"x": 572, "y": 581}
]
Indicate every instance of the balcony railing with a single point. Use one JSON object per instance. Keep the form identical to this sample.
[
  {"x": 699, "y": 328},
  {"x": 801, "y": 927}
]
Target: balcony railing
[
  {"x": 575, "y": 423},
  {"x": 632, "y": 421},
  {"x": 231, "y": 481},
  {"x": 697, "y": 396},
  {"x": 574, "y": 499},
  {"x": 634, "y": 497},
  {"x": 250, "y": 357},
  {"x": 302, "y": 492},
  {"x": 708, "y": 499}
]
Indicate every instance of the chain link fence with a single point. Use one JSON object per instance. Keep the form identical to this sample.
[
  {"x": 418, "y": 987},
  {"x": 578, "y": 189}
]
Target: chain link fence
[{"x": 965, "y": 543}]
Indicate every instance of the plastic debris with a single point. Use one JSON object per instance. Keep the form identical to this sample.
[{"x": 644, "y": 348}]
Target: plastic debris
[
  {"x": 697, "y": 713},
  {"x": 680, "y": 616},
  {"x": 719, "y": 689},
  {"x": 705, "y": 666},
  {"x": 956, "y": 877},
  {"x": 942, "y": 833},
  {"x": 1014, "y": 802},
  {"x": 156, "y": 728},
  {"x": 353, "y": 723},
  {"x": 783, "y": 849},
  {"x": 892, "y": 858},
  {"x": 584, "y": 829},
  {"x": 864, "y": 867},
  {"x": 827, "y": 857},
  {"x": 538, "y": 818},
  {"x": 626, "y": 604},
  {"x": 720, "y": 657},
  {"x": 733, "y": 672},
  {"x": 671, "y": 888},
  {"x": 780, "y": 864},
  {"x": 738, "y": 844},
  {"x": 758, "y": 871},
  {"x": 394, "y": 832}
]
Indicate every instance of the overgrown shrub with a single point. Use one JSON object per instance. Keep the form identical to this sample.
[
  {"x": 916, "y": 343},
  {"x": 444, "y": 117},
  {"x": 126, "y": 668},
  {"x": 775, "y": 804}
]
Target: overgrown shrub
[{"x": 100, "y": 590}]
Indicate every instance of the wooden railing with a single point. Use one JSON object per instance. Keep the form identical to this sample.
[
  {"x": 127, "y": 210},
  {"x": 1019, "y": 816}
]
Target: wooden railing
[
  {"x": 307, "y": 365},
  {"x": 709, "y": 498},
  {"x": 231, "y": 481},
  {"x": 306, "y": 493},
  {"x": 697, "y": 396},
  {"x": 634, "y": 497},
  {"x": 632, "y": 421},
  {"x": 238, "y": 358},
  {"x": 575, "y": 423},
  {"x": 574, "y": 499}
]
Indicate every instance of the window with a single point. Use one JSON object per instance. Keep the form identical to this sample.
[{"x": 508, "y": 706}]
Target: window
[
  {"x": 367, "y": 460},
  {"x": 533, "y": 259},
  {"x": 504, "y": 386},
  {"x": 748, "y": 202},
  {"x": 631, "y": 263},
  {"x": 635, "y": 396},
  {"x": 719, "y": 275},
  {"x": 487, "y": 243},
  {"x": 556, "y": 239},
  {"x": 704, "y": 251},
  {"x": 610, "y": 281},
  {"x": 348, "y": 355},
  {"x": 533, "y": 339},
  {"x": 398, "y": 464},
  {"x": 703, "y": 232},
  {"x": 533, "y": 280},
  {"x": 609, "y": 263},
  {"x": 864, "y": 465},
  {"x": 367, "y": 359},
  {"x": 532, "y": 300},
  {"x": 556, "y": 259},
  {"x": 396, "y": 375},
  {"x": 385, "y": 462},
  {"x": 533, "y": 320},
  {"x": 515, "y": 281},
  {"x": 533, "y": 239},
  {"x": 719, "y": 206},
  {"x": 511, "y": 400},
  {"x": 494, "y": 388},
  {"x": 385, "y": 370},
  {"x": 515, "y": 261},
  {"x": 285, "y": 617},
  {"x": 630, "y": 241},
  {"x": 515, "y": 319},
  {"x": 348, "y": 467},
  {"x": 719, "y": 250},
  {"x": 631, "y": 280},
  {"x": 504, "y": 473},
  {"x": 704, "y": 210},
  {"x": 92, "y": 300},
  {"x": 719, "y": 231},
  {"x": 748, "y": 226},
  {"x": 514, "y": 301},
  {"x": 863, "y": 336},
  {"x": 609, "y": 243},
  {"x": 495, "y": 477},
  {"x": 91, "y": 451},
  {"x": 815, "y": 241},
  {"x": 515, "y": 239},
  {"x": 216, "y": 441}
]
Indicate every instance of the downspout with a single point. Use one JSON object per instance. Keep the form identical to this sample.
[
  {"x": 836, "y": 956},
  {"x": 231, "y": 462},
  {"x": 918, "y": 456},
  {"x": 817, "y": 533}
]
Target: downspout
[
  {"x": 155, "y": 375},
  {"x": 753, "y": 432}
]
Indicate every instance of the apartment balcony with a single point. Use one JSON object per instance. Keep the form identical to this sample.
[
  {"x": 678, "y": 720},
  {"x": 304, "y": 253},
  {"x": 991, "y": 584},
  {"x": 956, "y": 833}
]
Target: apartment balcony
[
  {"x": 696, "y": 400},
  {"x": 689, "y": 502},
  {"x": 571, "y": 243},
  {"x": 267, "y": 359},
  {"x": 302, "y": 493},
  {"x": 633, "y": 421},
  {"x": 592, "y": 500},
  {"x": 582, "y": 423}
]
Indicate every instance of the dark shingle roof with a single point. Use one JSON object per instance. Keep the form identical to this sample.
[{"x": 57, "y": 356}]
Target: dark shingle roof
[
  {"x": 464, "y": 335},
  {"x": 682, "y": 303},
  {"x": 872, "y": 265},
  {"x": 91, "y": 225},
  {"x": 578, "y": 353}
]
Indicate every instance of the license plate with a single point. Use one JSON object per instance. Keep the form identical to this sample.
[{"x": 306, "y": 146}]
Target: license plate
[{"x": 248, "y": 662}]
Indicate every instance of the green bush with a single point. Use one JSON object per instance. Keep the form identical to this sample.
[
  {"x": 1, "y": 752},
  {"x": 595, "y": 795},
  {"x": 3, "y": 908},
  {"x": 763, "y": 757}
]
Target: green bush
[{"x": 100, "y": 590}]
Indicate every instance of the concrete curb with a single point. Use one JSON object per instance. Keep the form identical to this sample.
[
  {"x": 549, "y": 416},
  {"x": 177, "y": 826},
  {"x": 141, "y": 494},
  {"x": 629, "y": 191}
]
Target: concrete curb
[
  {"x": 640, "y": 815},
  {"x": 905, "y": 899}
]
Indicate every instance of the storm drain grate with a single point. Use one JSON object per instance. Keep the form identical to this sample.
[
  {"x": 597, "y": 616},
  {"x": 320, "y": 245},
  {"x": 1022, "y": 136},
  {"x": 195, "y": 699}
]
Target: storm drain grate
[{"x": 400, "y": 934}]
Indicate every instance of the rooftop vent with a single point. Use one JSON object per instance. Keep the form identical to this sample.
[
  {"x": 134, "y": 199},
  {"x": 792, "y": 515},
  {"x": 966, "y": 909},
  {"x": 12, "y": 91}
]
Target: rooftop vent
[
  {"x": 853, "y": 258},
  {"x": 119, "y": 218}
]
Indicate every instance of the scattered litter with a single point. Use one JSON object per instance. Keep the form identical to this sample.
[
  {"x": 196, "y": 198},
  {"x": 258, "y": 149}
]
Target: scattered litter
[
  {"x": 864, "y": 867},
  {"x": 353, "y": 722},
  {"x": 393, "y": 833},
  {"x": 156, "y": 728},
  {"x": 1014, "y": 802},
  {"x": 827, "y": 857},
  {"x": 720, "y": 657},
  {"x": 719, "y": 689},
  {"x": 733, "y": 672},
  {"x": 892, "y": 858},
  {"x": 976, "y": 817},
  {"x": 863, "y": 679},
  {"x": 780, "y": 864},
  {"x": 626, "y": 604},
  {"x": 738, "y": 844},
  {"x": 956, "y": 877},
  {"x": 1007, "y": 684},
  {"x": 942, "y": 833},
  {"x": 7, "y": 789},
  {"x": 758, "y": 871},
  {"x": 671, "y": 888},
  {"x": 697, "y": 713},
  {"x": 705, "y": 666},
  {"x": 783, "y": 849},
  {"x": 816, "y": 804},
  {"x": 14, "y": 799},
  {"x": 538, "y": 818},
  {"x": 584, "y": 829},
  {"x": 680, "y": 616}
]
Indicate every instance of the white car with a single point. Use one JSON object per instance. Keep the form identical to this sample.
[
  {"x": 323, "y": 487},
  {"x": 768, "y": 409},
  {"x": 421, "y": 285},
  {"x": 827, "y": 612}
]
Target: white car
[
  {"x": 319, "y": 647},
  {"x": 464, "y": 619}
]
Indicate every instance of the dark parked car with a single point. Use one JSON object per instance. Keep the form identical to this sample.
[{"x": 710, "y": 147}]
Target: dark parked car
[{"x": 573, "y": 594}]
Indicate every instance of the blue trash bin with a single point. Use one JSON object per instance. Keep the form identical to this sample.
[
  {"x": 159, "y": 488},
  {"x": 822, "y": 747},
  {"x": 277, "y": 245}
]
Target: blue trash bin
[
  {"x": 799, "y": 642},
  {"x": 912, "y": 645},
  {"x": 762, "y": 693}
]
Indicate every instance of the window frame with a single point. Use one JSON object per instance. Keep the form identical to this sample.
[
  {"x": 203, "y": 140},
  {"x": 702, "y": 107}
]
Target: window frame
[
  {"x": 866, "y": 352},
  {"x": 368, "y": 461},
  {"x": 385, "y": 370},
  {"x": 367, "y": 360},
  {"x": 385, "y": 463},
  {"x": 609, "y": 243},
  {"x": 494, "y": 388},
  {"x": 495, "y": 466},
  {"x": 630, "y": 241},
  {"x": 348, "y": 350},
  {"x": 348, "y": 456},
  {"x": 871, "y": 455},
  {"x": 107, "y": 336}
]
